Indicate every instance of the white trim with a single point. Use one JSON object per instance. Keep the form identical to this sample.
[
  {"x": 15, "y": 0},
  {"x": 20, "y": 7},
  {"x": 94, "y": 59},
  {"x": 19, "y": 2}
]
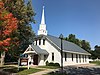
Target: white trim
[
  {"x": 27, "y": 52},
  {"x": 76, "y": 52}
]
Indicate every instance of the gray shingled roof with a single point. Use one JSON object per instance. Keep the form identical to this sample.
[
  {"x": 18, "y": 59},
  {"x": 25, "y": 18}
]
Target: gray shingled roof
[
  {"x": 39, "y": 50},
  {"x": 67, "y": 46}
]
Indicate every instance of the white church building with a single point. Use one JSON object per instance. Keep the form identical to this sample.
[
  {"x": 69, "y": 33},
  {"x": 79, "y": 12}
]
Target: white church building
[{"x": 48, "y": 48}]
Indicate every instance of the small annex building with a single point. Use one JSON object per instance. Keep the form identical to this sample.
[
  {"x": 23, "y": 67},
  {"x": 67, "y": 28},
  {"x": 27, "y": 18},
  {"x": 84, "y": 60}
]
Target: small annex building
[{"x": 48, "y": 48}]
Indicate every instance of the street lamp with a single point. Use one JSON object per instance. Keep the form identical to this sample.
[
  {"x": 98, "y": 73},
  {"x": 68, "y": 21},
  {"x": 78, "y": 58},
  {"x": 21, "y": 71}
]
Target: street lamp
[{"x": 61, "y": 37}]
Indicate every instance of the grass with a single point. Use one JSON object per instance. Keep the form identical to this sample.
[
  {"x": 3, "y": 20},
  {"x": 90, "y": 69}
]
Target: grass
[
  {"x": 48, "y": 67},
  {"x": 28, "y": 71},
  {"x": 10, "y": 69},
  {"x": 22, "y": 70},
  {"x": 95, "y": 62}
]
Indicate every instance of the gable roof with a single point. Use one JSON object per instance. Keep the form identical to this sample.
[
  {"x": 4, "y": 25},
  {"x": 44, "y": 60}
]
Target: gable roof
[
  {"x": 39, "y": 50},
  {"x": 35, "y": 49},
  {"x": 67, "y": 46}
]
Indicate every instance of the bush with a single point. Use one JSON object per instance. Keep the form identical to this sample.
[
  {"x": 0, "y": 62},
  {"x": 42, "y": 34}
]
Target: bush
[
  {"x": 52, "y": 64},
  {"x": 57, "y": 64}
]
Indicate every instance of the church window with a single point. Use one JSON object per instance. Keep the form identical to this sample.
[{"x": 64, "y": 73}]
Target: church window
[
  {"x": 76, "y": 58},
  {"x": 43, "y": 41},
  {"x": 65, "y": 56},
  {"x": 72, "y": 57},
  {"x": 80, "y": 58},
  {"x": 39, "y": 41},
  {"x": 52, "y": 56},
  {"x": 36, "y": 42},
  {"x": 83, "y": 58}
]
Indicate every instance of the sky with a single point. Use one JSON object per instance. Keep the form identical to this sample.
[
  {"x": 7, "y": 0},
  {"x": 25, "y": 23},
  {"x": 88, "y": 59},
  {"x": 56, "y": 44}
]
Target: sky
[{"x": 79, "y": 17}]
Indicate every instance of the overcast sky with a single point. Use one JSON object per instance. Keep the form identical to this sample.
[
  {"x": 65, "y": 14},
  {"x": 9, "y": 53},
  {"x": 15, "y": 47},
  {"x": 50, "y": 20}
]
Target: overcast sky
[{"x": 79, "y": 17}]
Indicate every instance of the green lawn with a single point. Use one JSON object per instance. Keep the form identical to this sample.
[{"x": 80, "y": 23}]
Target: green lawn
[
  {"x": 22, "y": 70},
  {"x": 95, "y": 62},
  {"x": 48, "y": 67},
  {"x": 28, "y": 71}
]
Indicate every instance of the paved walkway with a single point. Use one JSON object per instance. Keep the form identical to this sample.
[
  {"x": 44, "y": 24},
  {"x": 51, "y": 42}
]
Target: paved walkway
[
  {"x": 84, "y": 65},
  {"x": 88, "y": 66},
  {"x": 43, "y": 72}
]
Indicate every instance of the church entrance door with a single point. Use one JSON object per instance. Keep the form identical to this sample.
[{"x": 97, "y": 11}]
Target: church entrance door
[{"x": 35, "y": 60}]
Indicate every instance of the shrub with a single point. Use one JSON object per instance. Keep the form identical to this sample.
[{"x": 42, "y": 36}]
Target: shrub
[
  {"x": 51, "y": 64},
  {"x": 57, "y": 64}
]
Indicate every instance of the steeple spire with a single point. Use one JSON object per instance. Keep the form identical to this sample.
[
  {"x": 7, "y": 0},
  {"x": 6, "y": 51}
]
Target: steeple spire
[
  {"x": 43, "y": 17},
  {"x": 42, "y": 29}
]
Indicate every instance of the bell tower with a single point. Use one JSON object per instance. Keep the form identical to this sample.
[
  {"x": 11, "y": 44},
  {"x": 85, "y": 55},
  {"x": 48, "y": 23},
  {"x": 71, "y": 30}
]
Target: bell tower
[{"x": 42, "y": 28}]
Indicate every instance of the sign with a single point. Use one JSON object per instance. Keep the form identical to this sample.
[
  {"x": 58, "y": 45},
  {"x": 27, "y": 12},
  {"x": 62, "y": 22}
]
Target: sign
[{"x": 23, "y": 61}]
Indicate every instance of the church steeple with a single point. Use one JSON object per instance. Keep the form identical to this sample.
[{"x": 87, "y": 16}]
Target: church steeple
[
  {"x": 42, "y": 29},
  {"x": 43, "y": 18}
]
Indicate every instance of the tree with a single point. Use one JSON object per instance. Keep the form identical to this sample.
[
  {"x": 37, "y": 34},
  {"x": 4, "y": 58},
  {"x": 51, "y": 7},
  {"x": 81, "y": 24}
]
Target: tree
[
  {"x": 72, "y": 38},
  {"x": 8, "y": 25},
  {"x": 82, "y": 43},
  {"x": 85, "y": 45},
  {"x": 25, "y": 14},
  {"x": 97, "y": 51}
]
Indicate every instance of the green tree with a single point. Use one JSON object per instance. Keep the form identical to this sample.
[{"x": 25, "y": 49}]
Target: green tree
[
  {"x": 72, "y": 38},
  {"x": 8, "y": 26},
  {"x": 82, "y": 43},
  {"x": 97, "y": 51},
  {"x": 85, "y": 45},
  {"x": 23, "y": 11}
]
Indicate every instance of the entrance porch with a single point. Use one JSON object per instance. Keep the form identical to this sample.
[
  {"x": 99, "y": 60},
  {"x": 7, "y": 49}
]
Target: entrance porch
[{"x": 36, "y": 55}]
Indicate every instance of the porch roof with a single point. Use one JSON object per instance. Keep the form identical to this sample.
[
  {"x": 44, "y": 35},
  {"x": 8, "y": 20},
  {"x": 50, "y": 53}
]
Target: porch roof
[
  {"x": 33, "y": 49},
  {"x": 38, "y": 50}
]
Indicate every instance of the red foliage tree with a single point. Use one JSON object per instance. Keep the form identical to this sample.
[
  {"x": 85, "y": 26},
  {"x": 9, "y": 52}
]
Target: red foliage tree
[{"x": 8, "y": 24}]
